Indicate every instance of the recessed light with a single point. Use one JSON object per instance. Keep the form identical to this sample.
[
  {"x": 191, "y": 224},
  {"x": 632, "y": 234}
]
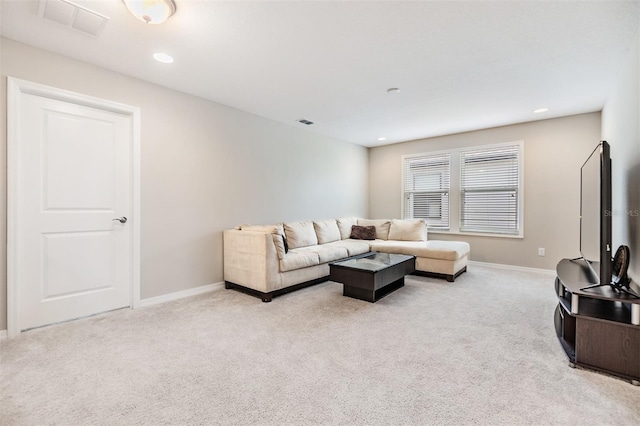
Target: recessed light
[
  {"x": 393, "y": 90},
  {"x": 163, "y": 57},
  {"x": 540, "y": 110},
  {"x": 382, "y": 138}
]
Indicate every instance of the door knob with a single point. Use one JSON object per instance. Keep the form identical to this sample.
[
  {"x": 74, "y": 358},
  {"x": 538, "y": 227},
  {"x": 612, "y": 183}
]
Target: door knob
[{"x": 122, "y": 219}]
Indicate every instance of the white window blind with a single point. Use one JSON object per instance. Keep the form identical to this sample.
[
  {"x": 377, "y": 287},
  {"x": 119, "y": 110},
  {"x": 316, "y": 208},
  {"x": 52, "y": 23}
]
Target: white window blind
[
  {"x": 489, "y": 186},
  {"x": 426, "y": 181}
]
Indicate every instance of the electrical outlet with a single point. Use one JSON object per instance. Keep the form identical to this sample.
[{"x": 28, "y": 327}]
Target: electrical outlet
[{"x": 541, "y": 251}]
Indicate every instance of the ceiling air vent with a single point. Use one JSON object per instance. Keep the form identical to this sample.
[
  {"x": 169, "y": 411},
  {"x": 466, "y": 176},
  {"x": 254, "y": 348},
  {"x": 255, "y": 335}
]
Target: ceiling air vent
[
  {"x": 73, "y": 16},
  {"x": 307, "y": 122}
]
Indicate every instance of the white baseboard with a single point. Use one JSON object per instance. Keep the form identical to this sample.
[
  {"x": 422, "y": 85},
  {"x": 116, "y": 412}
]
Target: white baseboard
[
  {"x": 181, "y": 294},
  {"x": 164, "y": 298},
  {"x": 514, "y": 268}
]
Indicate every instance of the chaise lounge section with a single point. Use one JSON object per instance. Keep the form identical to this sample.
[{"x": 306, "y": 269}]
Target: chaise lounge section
[{"x": 269, "y": 260}]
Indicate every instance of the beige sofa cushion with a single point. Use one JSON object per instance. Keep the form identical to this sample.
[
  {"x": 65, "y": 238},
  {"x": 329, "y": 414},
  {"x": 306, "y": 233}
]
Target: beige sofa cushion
[
  {"x": 382, "y": 227},
  {"x": 296, "y": 259},
  {"x": 300, "y": 234},
  {"x": 278, "y": 241},
  {"x": 345, "y": 224},
  {"x": 326, "y": 231},
  {"x": 408, "y": 230},
  {"x": 326, "y": 252},
  {"x": 354, "y": 247},
  {"x": 444, "y": 250}
]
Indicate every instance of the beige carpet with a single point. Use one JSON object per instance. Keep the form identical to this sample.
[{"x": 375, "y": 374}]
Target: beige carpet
[{"x": 479, "y": 351}]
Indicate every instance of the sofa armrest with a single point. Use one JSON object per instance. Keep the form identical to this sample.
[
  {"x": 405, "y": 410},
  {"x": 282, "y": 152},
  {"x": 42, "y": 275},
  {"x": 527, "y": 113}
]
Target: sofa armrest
[{"x": 251, "y": 260}]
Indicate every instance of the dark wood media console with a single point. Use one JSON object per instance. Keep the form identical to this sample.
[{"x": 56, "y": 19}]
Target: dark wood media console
[{"x": 599, "y": 328}]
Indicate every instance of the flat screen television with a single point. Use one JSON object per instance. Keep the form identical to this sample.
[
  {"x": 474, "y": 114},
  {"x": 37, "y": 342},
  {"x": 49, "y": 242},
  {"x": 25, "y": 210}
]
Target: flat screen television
[{"x": 595, "y": 213}]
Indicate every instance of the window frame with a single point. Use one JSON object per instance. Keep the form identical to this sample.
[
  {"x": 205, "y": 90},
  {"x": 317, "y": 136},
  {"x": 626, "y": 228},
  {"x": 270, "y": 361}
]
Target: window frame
[
  {"x": 455, "y": 208},
  {"x": 427, "y": 156},
  {"x": 490, "y": 187}
]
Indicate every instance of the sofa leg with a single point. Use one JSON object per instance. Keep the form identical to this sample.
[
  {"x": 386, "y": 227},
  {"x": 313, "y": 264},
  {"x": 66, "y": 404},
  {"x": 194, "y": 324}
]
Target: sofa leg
[
  {"x": 451, "y": 278},
  {"x": 267, "y": 298},
  {"x": 227, "y": 285}
]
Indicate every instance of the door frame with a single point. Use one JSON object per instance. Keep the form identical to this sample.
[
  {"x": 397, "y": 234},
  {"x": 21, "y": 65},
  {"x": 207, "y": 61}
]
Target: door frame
[{"x": 16, "y": 88}]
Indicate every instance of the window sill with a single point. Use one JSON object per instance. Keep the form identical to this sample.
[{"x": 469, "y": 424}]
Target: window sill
[{"x": 476, "y": 234}]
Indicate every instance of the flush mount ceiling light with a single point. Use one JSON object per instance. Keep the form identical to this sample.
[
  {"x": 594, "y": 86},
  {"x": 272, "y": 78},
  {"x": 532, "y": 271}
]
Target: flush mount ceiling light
[
  {"x": 382, "y": 138},
  {"x": 540, "y": 110},
  {"x": 162, "y": 57},
  {"x": 151, "y": 11},
  {"x": 393, "y": 90}
]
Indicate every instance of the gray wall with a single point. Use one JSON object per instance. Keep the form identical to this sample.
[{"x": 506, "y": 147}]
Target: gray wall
[
  {"x": 554, "y": 150},
  {"x": 205, "y": 167},
  {"x": 621, "y": 128}
]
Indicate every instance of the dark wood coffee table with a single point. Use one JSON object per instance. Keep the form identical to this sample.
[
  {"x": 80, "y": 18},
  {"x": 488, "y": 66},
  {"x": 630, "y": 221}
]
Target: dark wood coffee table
[{"x": 373, "y": 275}]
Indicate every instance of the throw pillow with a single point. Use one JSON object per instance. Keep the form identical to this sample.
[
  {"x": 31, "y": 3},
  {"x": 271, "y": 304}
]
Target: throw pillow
[
  {"x": 300, "y": 234},
  {"x": 327, "y": 231},
  {"x": 408, "y": 230},
  {"x": 363, "y": 232},
  {"x": 280, "y": 241},
  {"x": 345, "y": 224},
  {"x": 382, "y": 226}
]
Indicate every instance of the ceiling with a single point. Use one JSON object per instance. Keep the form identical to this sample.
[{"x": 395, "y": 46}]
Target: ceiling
[{"x": 460, "y": 66}]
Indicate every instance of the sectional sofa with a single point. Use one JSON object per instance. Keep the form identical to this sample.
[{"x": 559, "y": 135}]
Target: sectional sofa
[{"x": 269, "y": 260}]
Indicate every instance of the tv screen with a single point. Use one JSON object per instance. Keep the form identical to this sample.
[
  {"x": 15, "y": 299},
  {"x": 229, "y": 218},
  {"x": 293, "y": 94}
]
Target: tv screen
[{"x": 595, "y": 212}]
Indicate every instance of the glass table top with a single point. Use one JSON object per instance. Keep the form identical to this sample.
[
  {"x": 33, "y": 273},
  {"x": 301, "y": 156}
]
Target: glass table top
[{"x": 373, "y": 262}]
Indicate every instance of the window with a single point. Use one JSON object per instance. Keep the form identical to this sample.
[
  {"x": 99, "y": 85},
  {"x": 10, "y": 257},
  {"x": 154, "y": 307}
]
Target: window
[
  {"x": 489, "y": 185},
  {"x": 426, "y": 189},
  {"x": 471, "y": 190}
]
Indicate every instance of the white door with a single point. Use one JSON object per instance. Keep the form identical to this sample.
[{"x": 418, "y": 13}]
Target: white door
[{"x": 73, "y": 210}]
